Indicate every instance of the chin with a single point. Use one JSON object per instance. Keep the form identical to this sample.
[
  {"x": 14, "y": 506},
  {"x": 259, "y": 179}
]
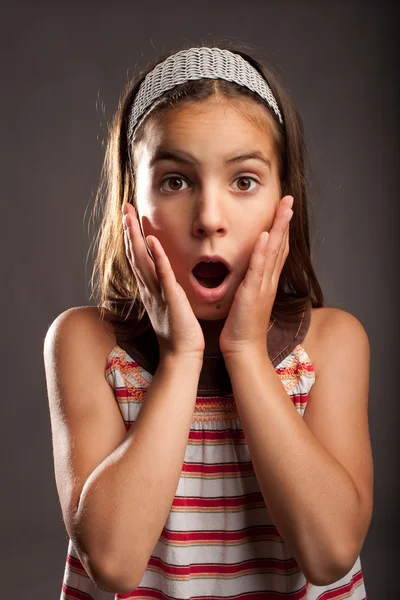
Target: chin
[{"x": 212, "y": 312}]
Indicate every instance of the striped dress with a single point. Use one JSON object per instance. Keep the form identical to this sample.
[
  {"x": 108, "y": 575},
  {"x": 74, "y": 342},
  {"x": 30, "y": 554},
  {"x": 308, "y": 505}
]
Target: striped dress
[{"x": 219, "y": 540}]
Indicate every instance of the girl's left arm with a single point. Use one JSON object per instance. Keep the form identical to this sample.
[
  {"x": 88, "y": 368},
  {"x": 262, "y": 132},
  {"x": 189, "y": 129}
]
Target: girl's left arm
[{"x": 316, "y": 472}]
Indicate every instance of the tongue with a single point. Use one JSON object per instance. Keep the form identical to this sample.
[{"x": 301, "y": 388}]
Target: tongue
[{"x": 210, "y": 269}]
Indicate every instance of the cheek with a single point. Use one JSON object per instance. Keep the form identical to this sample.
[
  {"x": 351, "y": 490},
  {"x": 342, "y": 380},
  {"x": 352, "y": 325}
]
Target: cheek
[
  {"x": 249, "y": 231},
  {"x": 168, "y": 234},
  {"x": 150, "y": 225},
  {"x": 253, "y": 223},
  {"x": 153, "y": 221},
  {"x": 163, "y": 221},
  {"x": 261, "y": 212},
  {"x": 268, "y": 219}
]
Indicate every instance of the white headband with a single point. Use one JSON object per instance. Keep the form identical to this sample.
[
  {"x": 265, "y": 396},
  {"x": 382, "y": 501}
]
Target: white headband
[{"x": 198, "y": 63}]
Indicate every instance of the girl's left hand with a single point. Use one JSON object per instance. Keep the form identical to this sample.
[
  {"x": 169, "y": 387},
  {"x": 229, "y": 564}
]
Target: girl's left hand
[{"x": 248, "y": 319}]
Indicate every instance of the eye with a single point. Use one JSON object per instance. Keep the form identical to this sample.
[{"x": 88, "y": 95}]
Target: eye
[
  {"x": 173, "y": 178},
  {"x": 247, "y": 178}
]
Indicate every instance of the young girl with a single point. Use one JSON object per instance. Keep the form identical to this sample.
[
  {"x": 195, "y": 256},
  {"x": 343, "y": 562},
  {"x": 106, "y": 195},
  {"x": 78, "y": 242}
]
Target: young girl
[{"x": 209, "y": 416}]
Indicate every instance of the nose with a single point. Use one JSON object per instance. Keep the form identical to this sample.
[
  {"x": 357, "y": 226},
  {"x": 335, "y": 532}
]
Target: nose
[{"x": 209, "y": 214}]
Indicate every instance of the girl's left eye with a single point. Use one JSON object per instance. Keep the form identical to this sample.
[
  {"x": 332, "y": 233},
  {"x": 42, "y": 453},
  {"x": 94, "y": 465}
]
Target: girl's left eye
[{"x": 241, "y": 178}]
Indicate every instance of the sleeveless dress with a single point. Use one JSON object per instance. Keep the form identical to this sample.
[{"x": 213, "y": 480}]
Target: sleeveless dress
[{"x": 219, "y": 540}]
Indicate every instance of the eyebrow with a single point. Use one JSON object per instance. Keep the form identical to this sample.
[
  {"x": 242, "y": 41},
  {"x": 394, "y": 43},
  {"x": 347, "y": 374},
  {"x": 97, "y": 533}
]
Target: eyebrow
[{"x": 185, "y": 158}]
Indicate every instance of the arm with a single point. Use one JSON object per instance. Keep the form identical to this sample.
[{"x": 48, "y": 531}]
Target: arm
[
  {"x": 317, "y": 486},
  {"x": 126, "y": 501}
]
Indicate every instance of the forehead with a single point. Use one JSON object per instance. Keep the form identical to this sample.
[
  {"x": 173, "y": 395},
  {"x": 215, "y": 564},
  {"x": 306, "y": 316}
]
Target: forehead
[{"x": 209, "y": 128}]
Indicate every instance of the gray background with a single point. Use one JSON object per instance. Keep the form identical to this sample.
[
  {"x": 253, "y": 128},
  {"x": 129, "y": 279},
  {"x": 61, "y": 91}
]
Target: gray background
[{"x": 62, "y": 64}]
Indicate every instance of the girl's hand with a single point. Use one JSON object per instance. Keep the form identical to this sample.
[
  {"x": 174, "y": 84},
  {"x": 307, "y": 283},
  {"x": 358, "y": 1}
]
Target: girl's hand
[
  {"x": 248, "y": 319},
  {"x": 175, "y": 325}
]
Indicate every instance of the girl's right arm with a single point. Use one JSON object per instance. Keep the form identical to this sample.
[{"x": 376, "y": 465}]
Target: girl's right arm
[{"x": 116, "y": 488}]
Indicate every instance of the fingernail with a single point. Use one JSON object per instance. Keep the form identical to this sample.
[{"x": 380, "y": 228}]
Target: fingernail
[{"x": 123, "y": 208}]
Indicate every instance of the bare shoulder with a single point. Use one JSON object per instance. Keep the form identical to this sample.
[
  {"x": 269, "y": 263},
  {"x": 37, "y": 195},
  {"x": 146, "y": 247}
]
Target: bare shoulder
[
  {"x": 330, "y": 330},
  {"x": 86, "y": 321}
]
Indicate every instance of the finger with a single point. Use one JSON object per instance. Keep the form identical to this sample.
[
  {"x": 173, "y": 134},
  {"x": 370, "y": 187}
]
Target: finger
[
  {"x": 285, "y": 203},
  {"x": 284, "y": 248},
  {"x": 284, "y": 251},
  {"x": 255, "y": 272},
  {"x": 131, "y": 258},
  {"x": 146, "y": 290},
  {"x": 129, "y": 250},
  {"x": 165, "y": 273},
  {"x": 276, "y": 240},
  {"x": 138, "y": 256}
]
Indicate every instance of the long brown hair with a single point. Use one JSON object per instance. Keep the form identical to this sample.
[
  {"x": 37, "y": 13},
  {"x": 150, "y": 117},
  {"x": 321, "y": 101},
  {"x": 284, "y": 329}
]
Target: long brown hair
[{"x": 113, "y": 283}]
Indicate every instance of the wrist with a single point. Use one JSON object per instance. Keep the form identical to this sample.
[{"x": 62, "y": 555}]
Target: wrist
[
  {"x": 182, "y": 359},
  {"x": 249, "y": 352}
]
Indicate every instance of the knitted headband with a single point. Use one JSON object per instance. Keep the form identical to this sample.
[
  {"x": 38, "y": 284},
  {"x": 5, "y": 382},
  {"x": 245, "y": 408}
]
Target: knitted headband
[{"x": 198, "y": 63}]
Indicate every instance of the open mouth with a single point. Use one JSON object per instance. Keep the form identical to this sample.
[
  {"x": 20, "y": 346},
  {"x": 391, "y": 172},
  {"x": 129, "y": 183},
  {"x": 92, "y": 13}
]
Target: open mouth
[{"x": 210, "y": 274}]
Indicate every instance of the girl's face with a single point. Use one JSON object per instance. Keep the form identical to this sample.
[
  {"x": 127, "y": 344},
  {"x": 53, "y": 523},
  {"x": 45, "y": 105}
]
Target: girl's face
[{"x": 200, "y": 201}]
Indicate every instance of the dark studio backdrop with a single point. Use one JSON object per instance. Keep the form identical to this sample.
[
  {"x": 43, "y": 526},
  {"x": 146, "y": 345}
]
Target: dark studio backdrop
[{"x": 65, "y": 63}]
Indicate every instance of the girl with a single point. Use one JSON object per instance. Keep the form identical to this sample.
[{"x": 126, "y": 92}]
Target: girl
[{"x": 209, "y": 416}]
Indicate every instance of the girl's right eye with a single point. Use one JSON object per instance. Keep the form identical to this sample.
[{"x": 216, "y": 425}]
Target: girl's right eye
[{"x": 172, "y": 178}]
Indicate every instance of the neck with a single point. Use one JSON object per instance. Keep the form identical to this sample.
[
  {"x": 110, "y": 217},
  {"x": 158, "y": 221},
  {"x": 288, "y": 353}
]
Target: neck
[{"x": 211, "y": 331}]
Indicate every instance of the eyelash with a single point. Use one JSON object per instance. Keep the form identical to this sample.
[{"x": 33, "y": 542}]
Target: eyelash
[{"x": 184, "y": 179}]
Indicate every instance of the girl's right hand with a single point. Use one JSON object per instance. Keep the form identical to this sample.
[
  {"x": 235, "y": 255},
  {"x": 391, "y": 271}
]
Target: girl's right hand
[{"x": 175, "y": 325}]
